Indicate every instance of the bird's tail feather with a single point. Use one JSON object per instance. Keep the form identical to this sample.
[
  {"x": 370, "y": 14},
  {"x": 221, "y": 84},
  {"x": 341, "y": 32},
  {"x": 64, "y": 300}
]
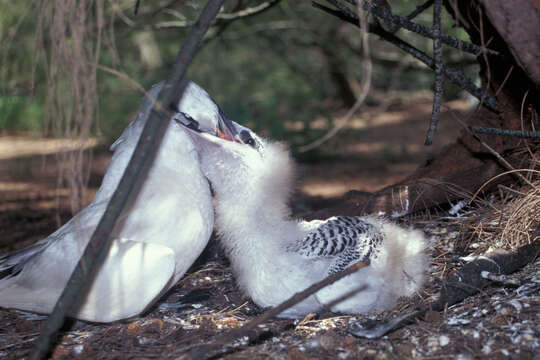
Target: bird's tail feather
[
  {"x": 12, "y": 263},
  {"x": 404, "y": 260}
]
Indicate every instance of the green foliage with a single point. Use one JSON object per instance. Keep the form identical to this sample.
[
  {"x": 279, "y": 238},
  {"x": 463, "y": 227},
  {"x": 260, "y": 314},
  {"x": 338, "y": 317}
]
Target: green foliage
[
  {"x": 27, "y": 113},
  {"x": 276, "y": 67}
]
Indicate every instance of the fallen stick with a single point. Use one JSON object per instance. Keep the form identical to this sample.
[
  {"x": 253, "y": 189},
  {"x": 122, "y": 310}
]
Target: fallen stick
[
  {"x": 457, "y": 286},
  {"x": 248, "y": 330}
]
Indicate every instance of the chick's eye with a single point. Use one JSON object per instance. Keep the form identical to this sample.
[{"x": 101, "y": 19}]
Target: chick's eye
[{"x": 247, "y": 139}]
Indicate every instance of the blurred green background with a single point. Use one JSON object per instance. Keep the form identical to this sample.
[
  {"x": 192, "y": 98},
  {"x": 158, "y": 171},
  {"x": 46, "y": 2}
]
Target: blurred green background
[{"x": 292, "y": 63}]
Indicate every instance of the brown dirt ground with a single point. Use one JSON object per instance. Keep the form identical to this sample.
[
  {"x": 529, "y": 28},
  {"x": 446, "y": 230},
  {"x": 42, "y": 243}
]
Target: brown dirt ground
[{"x": 500, "y": 322}]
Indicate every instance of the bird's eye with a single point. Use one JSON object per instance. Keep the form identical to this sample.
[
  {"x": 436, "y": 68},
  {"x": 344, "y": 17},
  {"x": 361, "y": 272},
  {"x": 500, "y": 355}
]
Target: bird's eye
[
  {"x": 247, "y": 139},
  {"x": 186, "y": 120}
]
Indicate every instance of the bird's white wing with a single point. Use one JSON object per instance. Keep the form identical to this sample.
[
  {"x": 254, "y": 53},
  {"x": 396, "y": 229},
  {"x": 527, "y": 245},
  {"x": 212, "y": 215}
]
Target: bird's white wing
[
  {"x": 345, "y": 239},
  {"x": 132, "y": 276}
]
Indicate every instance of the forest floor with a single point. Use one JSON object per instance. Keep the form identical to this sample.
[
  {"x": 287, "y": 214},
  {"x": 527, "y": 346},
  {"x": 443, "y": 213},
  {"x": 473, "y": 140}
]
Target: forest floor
[{"x": 499, "y": 322}]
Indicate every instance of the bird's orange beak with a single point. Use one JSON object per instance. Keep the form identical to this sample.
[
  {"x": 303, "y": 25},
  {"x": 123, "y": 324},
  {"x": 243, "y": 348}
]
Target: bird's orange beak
[{"x": 226, "y": 129}]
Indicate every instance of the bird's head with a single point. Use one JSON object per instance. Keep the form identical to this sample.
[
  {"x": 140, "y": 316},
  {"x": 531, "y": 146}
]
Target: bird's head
[
  {"x": 196, "y": 105},
  {"x": 239, "y": 163},
  {"x": 197, "y": 111}
]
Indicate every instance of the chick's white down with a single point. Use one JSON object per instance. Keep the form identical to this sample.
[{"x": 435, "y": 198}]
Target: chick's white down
[
  {"x": 160, "y": 233},
  {"x": 274, "y": 256}
]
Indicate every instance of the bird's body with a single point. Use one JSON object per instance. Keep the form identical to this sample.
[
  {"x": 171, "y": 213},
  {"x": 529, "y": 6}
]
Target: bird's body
[
  {"x": 274, "y": 256},
  {"x": 159, "y": 234}
]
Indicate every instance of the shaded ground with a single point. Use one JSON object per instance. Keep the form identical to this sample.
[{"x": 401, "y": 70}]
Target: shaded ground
[{"x": 500, "y": 322}]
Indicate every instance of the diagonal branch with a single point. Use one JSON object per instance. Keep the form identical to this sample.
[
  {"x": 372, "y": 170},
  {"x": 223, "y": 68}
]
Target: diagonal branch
[
  {"x": 425, "y": 31},
  {"x": 457, "y": 76},
  {"x": 246, "y": 330},
  {"x": 492, "y": 151},
  {"x": 360, "y": 98},
  {"x": 149, "y": 142},
  {"x": 244, "y": 13},
  {"x": 419, "y": 9}
]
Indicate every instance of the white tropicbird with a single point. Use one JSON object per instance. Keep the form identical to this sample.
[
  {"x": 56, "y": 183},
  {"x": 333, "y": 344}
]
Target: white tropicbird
[
  {"x": 274, "y": 256},
  {"x": 158, "y": 236}
]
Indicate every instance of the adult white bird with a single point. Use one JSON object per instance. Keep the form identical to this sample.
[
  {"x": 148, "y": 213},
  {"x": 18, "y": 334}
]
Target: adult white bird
[
  {"x": 274, "y": 256},
  {"x": 160, "y": 233}
]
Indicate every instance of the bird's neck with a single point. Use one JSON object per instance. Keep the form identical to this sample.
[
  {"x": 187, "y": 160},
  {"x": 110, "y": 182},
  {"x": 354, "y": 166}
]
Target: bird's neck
[{"x": 254, "y": 221}]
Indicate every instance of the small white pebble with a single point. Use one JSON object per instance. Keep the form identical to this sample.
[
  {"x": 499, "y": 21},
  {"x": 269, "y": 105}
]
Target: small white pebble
[
  {"x": 144, "y": 340},
  {"x": 486, "y": 349},
  {"x": 444, "y": 340},
  {"x": 454, "y": 321},
  {"x": 78, "y": 349}
]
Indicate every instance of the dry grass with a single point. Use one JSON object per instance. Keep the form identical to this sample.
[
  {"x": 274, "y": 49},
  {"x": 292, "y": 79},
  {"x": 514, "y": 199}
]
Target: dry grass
[{"x": 512, "y": 223}]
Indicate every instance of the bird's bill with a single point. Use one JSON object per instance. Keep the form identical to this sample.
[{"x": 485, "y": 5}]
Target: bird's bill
[
  {"x": 226, "y": 131},
  {"x": 226, "y": 128}
]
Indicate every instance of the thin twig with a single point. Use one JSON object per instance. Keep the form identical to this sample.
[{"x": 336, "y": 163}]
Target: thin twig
[
  {"x": 122, "y": 75},
  {"x": 536, "y": 172},
  {"x": 437, "y": 56},
  {"x": 150, "y": 139},
  {"x": 419, "y": 9},
  {"x": 365, "y": 86},
  {"x": 492, "y": 151},
  {"x": 247, "y": 12},
  {"x": 200, "y": 352},
  {"x": 221, "y": 18}
]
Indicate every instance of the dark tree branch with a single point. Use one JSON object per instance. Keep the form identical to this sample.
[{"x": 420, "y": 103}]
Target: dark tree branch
[
  {"x": 504, "y": 132},
  {"x": 403, "y": 22},
  {"x": 136, "y": 9},
  {"x": 437, "y": 55},
  {"x": 455, "y": 75},
  {"x": 149, "y": 142},
  {"x": 419, "y": 9}
]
